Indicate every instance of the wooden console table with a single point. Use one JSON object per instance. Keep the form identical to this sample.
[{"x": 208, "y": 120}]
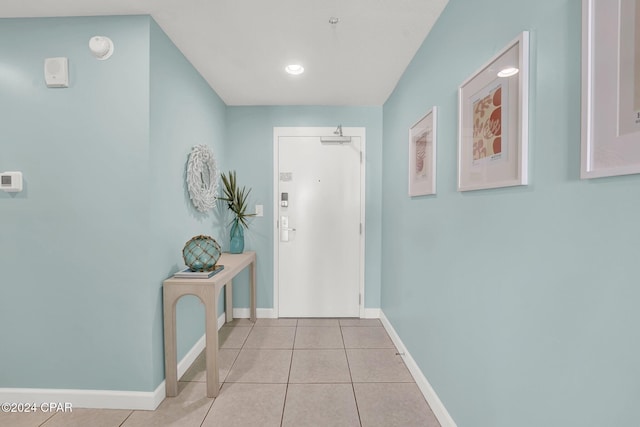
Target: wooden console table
[{"x": 208, "y": 290}]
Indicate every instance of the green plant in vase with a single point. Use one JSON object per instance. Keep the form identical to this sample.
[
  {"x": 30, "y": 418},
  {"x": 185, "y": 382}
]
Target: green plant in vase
[{"x": 236, "y": 199}]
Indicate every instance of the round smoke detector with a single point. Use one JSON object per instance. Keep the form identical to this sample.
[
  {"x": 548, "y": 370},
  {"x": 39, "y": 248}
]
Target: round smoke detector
[{"x": 101, "y": 47}]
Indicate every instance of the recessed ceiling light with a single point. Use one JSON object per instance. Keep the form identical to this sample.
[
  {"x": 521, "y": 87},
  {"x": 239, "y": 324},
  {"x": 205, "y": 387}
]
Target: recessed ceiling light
[
  {"x": 508, "y": 72},
  {"x": 294, "y": 69}
]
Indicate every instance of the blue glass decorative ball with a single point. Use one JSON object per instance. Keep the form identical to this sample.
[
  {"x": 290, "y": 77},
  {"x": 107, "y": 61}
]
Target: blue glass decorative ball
[{"x": 201, "y": 253}]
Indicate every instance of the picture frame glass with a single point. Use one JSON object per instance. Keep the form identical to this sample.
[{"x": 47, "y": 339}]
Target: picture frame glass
[
  {"x": 629, "y": 68},
  {"x": 610, "y": 88},
  {"x": 492, "y": 141},
  {"x": 422, "y": 152}
]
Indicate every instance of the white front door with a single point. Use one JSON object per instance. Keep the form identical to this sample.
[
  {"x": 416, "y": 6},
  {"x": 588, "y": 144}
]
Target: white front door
[{"x": 319, "y": 227}]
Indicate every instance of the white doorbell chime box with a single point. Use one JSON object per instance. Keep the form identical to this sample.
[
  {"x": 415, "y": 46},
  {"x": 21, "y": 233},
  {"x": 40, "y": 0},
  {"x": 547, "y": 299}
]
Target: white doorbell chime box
[
  {"x": 56, "y": 72},
  {"x": 11, "y": 182}
]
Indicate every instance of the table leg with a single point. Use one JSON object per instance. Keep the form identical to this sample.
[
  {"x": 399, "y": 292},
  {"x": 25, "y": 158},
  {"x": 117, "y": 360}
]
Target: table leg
[
  {"x": 211, "y": 333},
  {"x": 228, "y": 289},
  {"x": 252, "y": 290},
  {"x": 170, "y": 351}
]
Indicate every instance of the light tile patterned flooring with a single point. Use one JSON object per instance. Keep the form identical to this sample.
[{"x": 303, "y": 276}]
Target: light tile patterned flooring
[{"x": 281, "y": 373}]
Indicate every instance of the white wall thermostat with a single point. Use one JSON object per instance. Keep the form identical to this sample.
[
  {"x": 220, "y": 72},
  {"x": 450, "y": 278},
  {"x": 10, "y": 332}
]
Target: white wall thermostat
[{"x": 11, "y": 182}]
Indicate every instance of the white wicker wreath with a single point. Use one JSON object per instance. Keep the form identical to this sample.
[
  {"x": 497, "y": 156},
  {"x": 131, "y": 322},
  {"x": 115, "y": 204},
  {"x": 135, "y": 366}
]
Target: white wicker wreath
[{"x": 202, "y": 178}]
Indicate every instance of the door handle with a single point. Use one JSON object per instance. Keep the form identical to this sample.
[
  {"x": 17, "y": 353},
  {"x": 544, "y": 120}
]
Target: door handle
[
  {"x": 284, "y": 234},
  {"x": 284, "y": 224},
  {"x": 284, "y": 229}
]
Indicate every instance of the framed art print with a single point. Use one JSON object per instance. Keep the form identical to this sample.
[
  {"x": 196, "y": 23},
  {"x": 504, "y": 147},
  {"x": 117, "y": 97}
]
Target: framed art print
[
  {"x": 422, "y": 155},
  {"x": 493, "y": 121},
  {"x": 610, "y": 88}
]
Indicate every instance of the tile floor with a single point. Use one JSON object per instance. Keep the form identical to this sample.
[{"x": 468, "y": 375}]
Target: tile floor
[{"x": 281, "y": 373}]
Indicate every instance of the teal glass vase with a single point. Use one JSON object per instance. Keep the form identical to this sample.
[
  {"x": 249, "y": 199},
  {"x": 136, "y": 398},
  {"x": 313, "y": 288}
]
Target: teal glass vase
[{"x": 237, "y": 238}]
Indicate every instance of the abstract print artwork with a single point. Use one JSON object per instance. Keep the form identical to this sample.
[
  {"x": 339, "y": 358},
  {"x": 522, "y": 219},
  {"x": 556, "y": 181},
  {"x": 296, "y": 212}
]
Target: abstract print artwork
[
  {"x": 422, "y": 155},
  {"x": 487, "y": 126}
]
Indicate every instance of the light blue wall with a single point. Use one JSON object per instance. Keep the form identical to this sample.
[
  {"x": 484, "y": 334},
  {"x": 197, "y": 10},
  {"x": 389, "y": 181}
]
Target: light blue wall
[
  {"x": 249, "y": 151},
  {"x": 518, "y": 304},
  {"x": 74, "y": 305},
  {"x": 185, "y": 112},
  {"x": 104, "y": 214}
]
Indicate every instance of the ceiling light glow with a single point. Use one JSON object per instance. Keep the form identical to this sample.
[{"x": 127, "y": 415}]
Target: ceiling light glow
[
  {"x": 508, "y": 72},
  {"x": 294, "y": 69}
]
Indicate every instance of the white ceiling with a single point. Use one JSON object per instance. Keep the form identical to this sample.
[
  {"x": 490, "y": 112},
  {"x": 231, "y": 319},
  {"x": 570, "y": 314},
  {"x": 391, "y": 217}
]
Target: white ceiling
[{"x": 242, "y": 46}]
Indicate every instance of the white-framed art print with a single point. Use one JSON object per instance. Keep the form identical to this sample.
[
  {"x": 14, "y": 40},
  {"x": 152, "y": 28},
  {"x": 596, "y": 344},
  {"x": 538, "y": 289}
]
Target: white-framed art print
[
  {"x": 493, "y": 122},
  {"x": 610, "y": 88},
  {"x": 422, "y": 155}
]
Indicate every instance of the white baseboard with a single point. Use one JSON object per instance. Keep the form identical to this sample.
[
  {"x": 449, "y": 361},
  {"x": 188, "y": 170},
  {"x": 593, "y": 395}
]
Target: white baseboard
[
  {"x": 99, "y": 399},
  {"x": 270, "y": 313},
  {"x": 105, "y": 399},
  {"x": 429, "y": 393},
  {"x": 261, "y": 313},
  {"x": 371, "y": 313}
]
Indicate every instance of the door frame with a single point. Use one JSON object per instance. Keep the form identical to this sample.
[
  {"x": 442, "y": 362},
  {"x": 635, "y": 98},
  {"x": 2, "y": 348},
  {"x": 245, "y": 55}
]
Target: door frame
[{"x": 316, "y": 132}]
